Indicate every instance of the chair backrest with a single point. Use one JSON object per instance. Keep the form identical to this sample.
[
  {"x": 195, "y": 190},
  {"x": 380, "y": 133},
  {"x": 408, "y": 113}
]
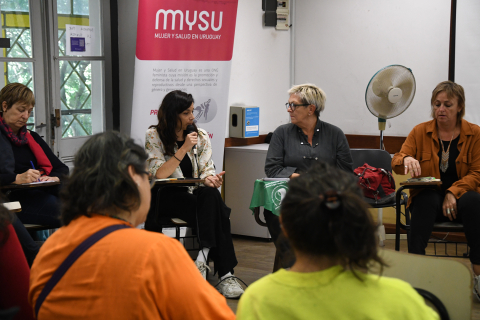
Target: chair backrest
[
  {"x": 374, "y": 157},
  {"x": 433, "y": 301},
  {"x": 449, "y": 280}
]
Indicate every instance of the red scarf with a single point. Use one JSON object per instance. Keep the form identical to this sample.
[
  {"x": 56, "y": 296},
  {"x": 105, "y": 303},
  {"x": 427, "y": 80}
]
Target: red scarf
[
  {"x": 24, "y": 137},
  {"x": 42, "y": 159}
]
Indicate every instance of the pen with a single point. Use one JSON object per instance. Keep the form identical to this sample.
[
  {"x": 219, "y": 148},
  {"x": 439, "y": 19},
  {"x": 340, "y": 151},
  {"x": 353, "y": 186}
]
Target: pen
[{"x": 33, "y": 167}]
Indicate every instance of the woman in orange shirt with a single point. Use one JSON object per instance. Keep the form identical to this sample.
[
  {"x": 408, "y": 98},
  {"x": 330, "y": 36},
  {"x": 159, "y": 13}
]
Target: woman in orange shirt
[
  {"x": 129, "y": 273},
  {"x": 447, "y": 148}
]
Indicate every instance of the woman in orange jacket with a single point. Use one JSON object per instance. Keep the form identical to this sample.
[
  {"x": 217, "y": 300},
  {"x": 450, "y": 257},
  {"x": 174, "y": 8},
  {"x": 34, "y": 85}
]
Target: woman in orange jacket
[{"x": 447, "y": 148}]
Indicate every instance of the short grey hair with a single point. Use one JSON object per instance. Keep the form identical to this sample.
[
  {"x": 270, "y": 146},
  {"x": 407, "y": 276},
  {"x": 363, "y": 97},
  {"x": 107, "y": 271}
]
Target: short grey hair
[{"x": 311, "y": 94}]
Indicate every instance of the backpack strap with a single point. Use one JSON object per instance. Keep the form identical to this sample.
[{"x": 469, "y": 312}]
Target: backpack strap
[{"x": 72, "y": 257}]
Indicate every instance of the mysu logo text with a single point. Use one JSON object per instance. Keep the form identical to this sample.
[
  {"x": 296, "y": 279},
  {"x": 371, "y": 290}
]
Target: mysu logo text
[{"x": 203, "y": 24}]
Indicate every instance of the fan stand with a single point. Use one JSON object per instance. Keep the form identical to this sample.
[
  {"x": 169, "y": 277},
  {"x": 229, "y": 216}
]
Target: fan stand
[
  {"x": 381, "y": 126},
  {"x": 380, "y": 226},
  {"x": 381, "y": 140}
]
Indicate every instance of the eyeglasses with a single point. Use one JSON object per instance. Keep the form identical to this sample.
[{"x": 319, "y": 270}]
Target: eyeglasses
[{"x": 293, "y": 106}]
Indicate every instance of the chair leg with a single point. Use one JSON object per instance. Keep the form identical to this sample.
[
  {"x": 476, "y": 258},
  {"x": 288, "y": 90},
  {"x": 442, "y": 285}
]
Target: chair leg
[
  {"x": 380, "y": 228},
  {"x": 177, "y": 233},
  {"x": 407, "y": 224}
]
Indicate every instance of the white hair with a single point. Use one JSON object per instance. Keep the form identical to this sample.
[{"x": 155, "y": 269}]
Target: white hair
[{"x": 311, "y": 94}]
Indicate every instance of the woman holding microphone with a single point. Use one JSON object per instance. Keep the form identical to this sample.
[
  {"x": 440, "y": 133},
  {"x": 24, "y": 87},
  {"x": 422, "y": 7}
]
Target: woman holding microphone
[{"x": 175, "y": 152}]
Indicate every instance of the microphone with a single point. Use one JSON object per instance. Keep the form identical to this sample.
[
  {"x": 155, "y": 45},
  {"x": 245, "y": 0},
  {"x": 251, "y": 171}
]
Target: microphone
[{"x": 190, "y": 129}]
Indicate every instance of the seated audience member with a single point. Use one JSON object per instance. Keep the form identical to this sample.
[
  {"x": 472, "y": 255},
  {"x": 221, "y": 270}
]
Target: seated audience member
[
  {"x": 25, "y": 158},
  {"x": 447, "y": 148},
  {"x": 328, "y": 224},
  {"x": 295, "y": 146},
  {"x": 174, "y": 152},
  {"x": 14, "y": 270},
  {"x": 129, "y": 273}
]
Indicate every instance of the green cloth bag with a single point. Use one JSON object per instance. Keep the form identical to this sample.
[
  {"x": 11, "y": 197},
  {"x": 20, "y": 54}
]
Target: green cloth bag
[{"x": 268, "y": 194}]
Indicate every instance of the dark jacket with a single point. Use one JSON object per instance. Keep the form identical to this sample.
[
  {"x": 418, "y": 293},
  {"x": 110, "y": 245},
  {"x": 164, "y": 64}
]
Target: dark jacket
[
  {"x": 289, "y": 151},
  {"x": 16, "y": 159}
]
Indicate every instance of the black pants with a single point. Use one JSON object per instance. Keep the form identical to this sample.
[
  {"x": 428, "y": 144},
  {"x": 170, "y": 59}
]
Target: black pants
[
  {"x": 39, "y": 206},
  {"x": 284, "y": 250},
  {"x": 212, "y": 225},
  {"x": 427, "y": 209}
]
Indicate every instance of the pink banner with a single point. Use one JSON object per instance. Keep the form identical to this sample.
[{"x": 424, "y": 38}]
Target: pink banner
[
  {"x": 184, "y": 45},
  {"x": 186, "y": 30}
]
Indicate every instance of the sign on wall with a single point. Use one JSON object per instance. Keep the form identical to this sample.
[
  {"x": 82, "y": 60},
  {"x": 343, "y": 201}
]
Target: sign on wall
[
  {"x": 184, "y": 45},
  {"x": 80, "y": 40}
]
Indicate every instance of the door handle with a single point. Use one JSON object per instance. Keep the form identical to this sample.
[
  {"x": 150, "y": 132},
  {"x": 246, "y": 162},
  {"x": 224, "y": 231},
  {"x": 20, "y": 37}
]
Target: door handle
[{"x": 56, "y": 118}]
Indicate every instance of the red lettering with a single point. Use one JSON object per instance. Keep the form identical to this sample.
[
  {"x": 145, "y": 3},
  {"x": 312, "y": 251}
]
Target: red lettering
[
  {"x": 210, "y": 135},
  {"x": 154, "y": 112}
]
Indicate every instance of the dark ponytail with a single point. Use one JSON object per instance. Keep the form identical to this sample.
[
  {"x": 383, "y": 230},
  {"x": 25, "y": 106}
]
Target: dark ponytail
[{"x": 323, "y": 214}]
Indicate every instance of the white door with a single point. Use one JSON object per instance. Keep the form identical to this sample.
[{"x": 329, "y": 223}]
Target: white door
[
  {"x": 78, "y": 95},
  {"x": 68, "y": 79}
]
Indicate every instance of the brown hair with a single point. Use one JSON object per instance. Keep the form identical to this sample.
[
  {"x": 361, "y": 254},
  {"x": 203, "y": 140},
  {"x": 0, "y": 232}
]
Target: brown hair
[
  {"x": 452, "y": 90},
  {"x": 16, "y": 92}
]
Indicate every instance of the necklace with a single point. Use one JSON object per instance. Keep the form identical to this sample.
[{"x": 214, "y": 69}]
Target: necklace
[{"x": 445, "y": 155}]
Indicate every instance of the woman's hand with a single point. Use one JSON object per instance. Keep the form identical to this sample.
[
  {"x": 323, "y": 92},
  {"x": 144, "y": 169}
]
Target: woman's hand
[
  {"x": 413, "y": 166},
  {"x": 47, "y": 178},
  {"x": 294, "y": 175},
  {"x": 28, "y": 176},
  {"x": 190, "y": 141},
  {"x": 450, "y": 206},
  {"x": 215, "y": 181}
]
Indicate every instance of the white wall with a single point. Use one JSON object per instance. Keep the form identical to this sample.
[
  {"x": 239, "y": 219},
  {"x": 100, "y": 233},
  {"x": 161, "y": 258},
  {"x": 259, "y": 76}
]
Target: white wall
[
  {"x": 260, "y": 66},
  {"x": 340, "y": 45},
  {"x": 467, "y": 56},
  {"x": 127, "y": 37}
]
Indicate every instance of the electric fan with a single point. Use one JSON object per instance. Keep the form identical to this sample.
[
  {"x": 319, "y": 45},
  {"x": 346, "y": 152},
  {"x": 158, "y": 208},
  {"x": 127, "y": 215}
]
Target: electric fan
[{"x": 389, "y": 93}]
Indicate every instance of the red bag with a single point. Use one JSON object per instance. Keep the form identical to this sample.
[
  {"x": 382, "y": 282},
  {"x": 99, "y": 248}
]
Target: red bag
[{"x": 377, "y": 183}]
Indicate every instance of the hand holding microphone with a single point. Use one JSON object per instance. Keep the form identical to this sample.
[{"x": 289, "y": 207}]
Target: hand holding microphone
[{"x": 191, "y": 139}]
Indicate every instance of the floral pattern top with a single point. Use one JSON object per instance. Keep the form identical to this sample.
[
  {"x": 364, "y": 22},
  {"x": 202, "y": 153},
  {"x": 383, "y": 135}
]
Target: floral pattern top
[{"x": 157, "y": 157}]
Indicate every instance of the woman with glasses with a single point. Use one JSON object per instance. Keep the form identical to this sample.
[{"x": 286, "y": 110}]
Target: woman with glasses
[
  {"x": 175, "y": 152},
  {"x": 128, "y": 273},
  {"x": 295, "y": 146}
]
